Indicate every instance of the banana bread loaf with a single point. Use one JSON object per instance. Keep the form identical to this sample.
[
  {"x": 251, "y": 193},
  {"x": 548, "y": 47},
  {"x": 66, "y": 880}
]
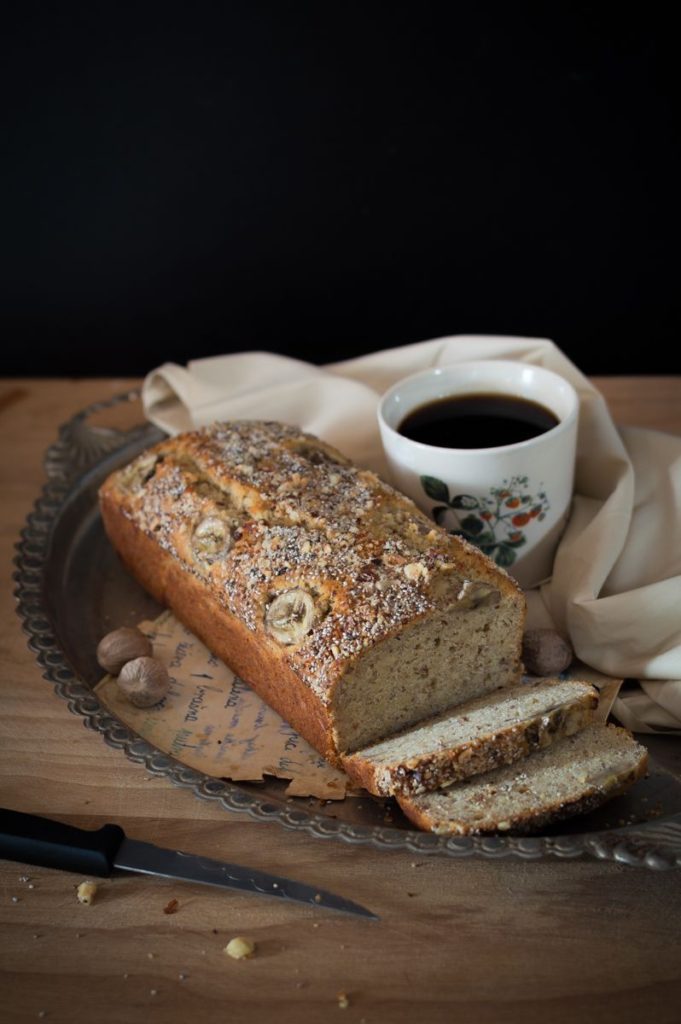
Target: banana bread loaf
[{"x": 333, "y": 596}]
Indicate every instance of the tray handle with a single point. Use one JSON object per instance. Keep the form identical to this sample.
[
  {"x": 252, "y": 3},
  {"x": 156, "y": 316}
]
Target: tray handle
[{"x": 80, "y": 444}]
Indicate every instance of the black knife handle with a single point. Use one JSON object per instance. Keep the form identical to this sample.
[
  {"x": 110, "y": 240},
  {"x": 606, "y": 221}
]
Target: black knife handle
[{"x": 34, "y": 840}]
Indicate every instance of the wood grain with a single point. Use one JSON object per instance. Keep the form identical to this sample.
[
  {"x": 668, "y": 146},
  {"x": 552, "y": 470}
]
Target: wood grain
[{"x": 481, "y": 941}]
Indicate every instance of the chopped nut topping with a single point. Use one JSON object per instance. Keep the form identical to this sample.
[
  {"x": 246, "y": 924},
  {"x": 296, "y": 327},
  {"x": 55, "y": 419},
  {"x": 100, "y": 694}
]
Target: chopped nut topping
[{"x": 415, "y": 571}]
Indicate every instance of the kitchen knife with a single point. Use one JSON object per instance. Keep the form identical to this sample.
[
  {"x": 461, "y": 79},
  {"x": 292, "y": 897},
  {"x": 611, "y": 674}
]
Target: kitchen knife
[{"x": 31, "y": 839}]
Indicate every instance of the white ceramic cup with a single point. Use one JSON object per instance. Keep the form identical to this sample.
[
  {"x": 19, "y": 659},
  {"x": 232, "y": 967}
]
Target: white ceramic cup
[{"x": 512, "y": 500}]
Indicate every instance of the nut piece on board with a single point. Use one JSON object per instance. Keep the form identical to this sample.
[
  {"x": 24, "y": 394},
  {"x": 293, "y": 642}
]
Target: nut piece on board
[
  {"x": 121, "y": 646},
  {"x": 144, "y": 681},
  {"x": 240, "y": 948},
  {"x": 545, "y": 652},
  {"x": 86, "y": 892}
]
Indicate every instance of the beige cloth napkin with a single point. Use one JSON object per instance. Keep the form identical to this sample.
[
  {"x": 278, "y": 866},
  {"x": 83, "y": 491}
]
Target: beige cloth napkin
[{"x": 616, "y": 585}]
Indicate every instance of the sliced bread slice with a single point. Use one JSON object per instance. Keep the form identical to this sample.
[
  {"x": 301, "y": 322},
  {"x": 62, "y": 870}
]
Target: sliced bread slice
[
  {"x": 574, "y": 775},
  {"x": 475, "y": 737}
]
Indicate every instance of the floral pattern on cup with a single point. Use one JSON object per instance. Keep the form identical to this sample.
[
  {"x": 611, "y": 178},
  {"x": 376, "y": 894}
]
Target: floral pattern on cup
[{"x": 496, "y": 524}]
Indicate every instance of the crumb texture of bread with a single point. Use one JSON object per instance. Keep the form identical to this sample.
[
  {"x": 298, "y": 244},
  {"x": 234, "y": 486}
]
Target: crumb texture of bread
[
  {"x": 576, "y": 774},
  {"x": 475, "y": 737},
  {"x": 330, "y": 593}
]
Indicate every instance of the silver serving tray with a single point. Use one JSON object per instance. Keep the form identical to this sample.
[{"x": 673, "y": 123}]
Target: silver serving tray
[{"x": 71, "y": 589}]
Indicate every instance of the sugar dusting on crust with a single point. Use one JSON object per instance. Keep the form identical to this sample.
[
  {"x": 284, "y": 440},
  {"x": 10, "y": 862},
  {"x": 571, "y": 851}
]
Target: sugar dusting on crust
[{"x": 299, "y": 515}]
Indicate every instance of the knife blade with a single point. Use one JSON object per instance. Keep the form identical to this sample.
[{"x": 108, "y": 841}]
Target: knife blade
[{"x": 32, "y": 839}]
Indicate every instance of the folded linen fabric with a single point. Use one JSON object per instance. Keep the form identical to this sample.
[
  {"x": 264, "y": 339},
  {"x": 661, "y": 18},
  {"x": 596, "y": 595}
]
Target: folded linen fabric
[{"x": 616, "y": 583}]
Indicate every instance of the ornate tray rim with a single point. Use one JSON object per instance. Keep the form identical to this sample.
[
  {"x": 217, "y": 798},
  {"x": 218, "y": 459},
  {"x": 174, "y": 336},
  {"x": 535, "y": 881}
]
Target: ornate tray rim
[{"x": 78, "y": 448}]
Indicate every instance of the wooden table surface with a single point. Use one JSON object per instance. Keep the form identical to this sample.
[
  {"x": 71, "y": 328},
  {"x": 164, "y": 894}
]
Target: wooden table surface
[{"x": 457, "y": 940}]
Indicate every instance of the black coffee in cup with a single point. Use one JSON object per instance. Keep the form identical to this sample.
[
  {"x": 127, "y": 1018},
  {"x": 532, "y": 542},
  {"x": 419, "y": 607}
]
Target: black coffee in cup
[{"x": 477, "y": 421}]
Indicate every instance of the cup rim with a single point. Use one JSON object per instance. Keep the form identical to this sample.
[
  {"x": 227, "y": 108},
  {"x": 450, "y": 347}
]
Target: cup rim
[{"x": 563, "y": 424}]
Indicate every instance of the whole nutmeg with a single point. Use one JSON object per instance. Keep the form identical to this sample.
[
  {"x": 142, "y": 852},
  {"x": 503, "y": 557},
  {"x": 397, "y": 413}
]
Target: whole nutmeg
[
  {"x": 144, "y": 681},
  {"x": 545, "y": 652},
  {"x": 123, "y": 645}
]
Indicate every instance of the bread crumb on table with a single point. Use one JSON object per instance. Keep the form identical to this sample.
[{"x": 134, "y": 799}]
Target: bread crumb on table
[
  {"x": 239, "y": 948},
  {"x": 86, "y": 892}
]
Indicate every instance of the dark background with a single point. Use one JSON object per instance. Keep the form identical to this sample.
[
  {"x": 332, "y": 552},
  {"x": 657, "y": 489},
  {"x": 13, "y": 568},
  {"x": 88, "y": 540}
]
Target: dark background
[{"x": 324, "y": 180}]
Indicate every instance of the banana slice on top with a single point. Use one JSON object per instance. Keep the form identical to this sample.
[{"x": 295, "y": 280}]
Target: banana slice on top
[
  {"x": 139, "y": 472},
  {"x": 212, "y": 538},
  {"x": 476, "y": 593},
  {"x": 290, "y": 616}
]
